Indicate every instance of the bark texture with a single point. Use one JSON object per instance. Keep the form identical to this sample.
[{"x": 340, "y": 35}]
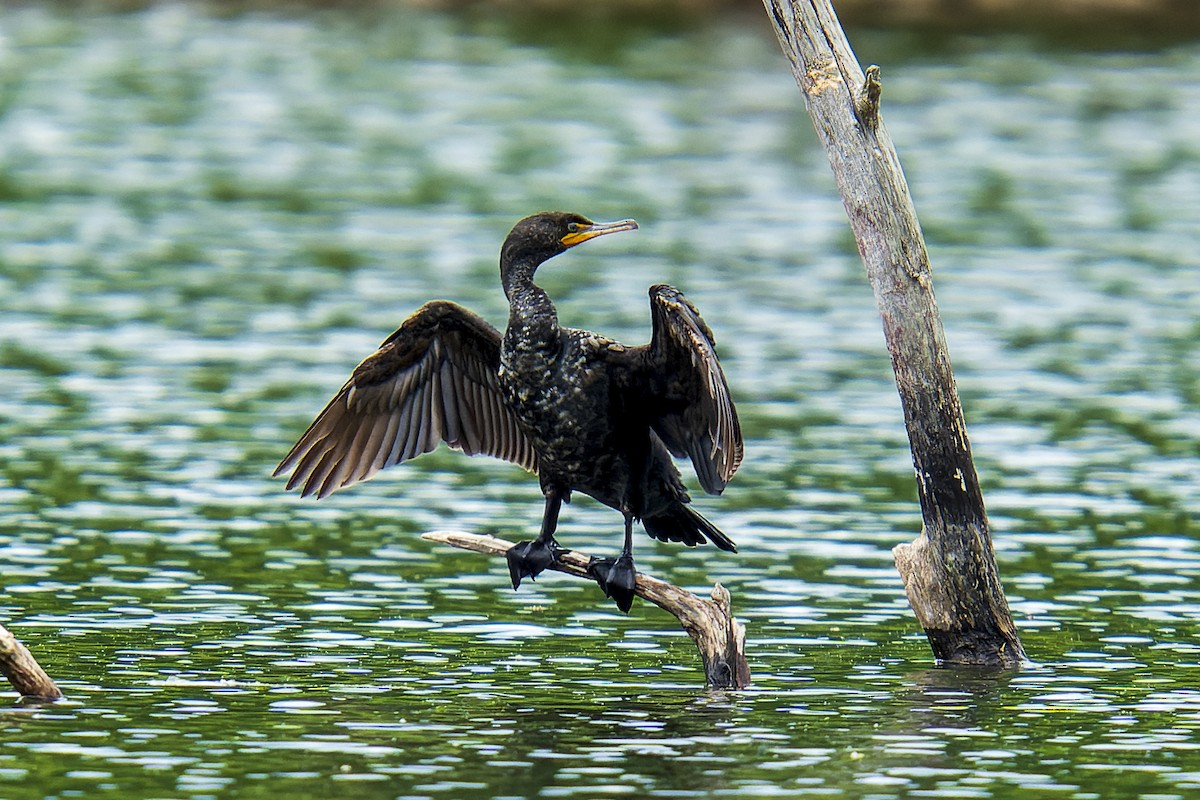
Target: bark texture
[
  {"x": 949, "y": 572},
  {"x": 22, "y": 670},
  {"x": 719, "y": 637}
]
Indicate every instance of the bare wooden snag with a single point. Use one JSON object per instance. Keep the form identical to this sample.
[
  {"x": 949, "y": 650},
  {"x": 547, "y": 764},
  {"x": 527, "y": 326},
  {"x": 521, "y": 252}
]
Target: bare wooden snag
[
  {"x": 949, "y": 572},
  {"x": 23, "y": 671},
  {"x": 719, "y": 637}
]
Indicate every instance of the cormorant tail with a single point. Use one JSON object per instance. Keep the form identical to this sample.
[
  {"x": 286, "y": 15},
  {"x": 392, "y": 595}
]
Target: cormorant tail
[{"x": 681, "y": 523}]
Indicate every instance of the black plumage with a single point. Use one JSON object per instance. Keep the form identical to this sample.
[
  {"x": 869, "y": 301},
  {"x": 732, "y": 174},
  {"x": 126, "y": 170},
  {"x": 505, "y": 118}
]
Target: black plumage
[{"x": 584, "y": 412}]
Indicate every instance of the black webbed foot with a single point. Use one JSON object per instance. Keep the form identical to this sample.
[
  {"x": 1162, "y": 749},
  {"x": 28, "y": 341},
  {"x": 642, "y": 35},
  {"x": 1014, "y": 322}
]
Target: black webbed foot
[
  {"x": 530, "y": 559},
  {"x": 616, "y": 577}
]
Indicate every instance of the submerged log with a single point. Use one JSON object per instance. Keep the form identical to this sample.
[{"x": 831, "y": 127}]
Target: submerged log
[
  {"x": 719, "y": 637},
  {"x": 950, "y": 571},
  {"x": 23, "y": 671}
]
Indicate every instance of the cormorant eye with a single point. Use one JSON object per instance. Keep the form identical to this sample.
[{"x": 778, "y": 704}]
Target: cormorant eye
[{"x": 573, "y": 227}]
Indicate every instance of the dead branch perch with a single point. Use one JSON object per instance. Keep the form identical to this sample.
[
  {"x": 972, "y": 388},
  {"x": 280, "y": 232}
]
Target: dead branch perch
[
  {"x": 719, "y": 637},
  {"x": 950, "y": 570},
  {"x": 22, "y": 670}
]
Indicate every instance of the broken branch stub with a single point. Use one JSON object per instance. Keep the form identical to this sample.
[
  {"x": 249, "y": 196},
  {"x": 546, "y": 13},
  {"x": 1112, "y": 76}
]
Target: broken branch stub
[{"x": 23, "y": 671}]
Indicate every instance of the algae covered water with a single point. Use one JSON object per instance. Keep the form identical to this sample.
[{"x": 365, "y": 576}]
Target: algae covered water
[{"x": 208, "y": 219}]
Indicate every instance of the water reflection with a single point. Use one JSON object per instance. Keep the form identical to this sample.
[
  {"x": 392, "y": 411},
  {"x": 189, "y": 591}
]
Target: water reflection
[{"x": 886, "y": 726}]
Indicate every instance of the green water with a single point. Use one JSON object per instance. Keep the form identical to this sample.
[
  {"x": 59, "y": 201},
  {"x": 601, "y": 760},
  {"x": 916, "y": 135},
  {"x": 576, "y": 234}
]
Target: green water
[{"x": 207, "y": 220}]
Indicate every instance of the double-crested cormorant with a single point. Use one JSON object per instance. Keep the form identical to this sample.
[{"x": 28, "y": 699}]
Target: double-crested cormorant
[{"x": 582, "y": 411}]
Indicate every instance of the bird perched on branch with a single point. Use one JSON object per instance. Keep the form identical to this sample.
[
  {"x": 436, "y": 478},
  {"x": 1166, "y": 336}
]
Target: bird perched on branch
[{"x": 583, "y": 412}]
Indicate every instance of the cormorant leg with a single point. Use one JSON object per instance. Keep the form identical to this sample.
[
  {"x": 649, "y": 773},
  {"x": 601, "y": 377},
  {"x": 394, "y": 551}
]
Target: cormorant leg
[
  {"x": 617, "y": 576},
  {"x": 529, "y": 559}
]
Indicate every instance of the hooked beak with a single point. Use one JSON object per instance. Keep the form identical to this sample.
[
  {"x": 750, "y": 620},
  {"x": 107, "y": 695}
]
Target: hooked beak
[{"x": 592, "y": 230}]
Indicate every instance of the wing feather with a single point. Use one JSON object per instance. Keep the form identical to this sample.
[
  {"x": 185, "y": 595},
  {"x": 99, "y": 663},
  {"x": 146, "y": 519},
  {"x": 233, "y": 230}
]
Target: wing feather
[
  {"x": 433, "y": 380},
  {"x": 391, "y": 441},
  {"x": 697, "y": 417},
  {"x": 449, "y": 407},
  {"x": 375, "y": 445},
  {"x": 435, "y": 420}
]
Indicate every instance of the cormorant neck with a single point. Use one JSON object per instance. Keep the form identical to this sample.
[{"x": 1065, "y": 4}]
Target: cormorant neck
[
  {"x": 517, "y": 277},
  {"x": 529, "y": 307}
]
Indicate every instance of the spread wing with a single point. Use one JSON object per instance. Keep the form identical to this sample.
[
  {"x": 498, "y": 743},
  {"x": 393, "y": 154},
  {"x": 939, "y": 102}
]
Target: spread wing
[
  {"x": 433, "y": 380},
  {"x": 697, "y": 417}
]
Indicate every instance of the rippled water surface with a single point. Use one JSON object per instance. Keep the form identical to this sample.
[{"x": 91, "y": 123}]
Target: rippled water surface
[{"x": 206, "y": 221}]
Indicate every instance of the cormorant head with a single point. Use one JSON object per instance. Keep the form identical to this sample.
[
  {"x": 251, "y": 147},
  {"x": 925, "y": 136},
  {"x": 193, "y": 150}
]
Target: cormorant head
[{"x": 543, "y": 236}]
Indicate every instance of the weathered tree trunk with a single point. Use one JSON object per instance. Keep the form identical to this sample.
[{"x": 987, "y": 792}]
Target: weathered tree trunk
[
  {"x": 720, "y": 638},
  {"x": 22, "y": 670},
  {"x": 949, "y": 572}
]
